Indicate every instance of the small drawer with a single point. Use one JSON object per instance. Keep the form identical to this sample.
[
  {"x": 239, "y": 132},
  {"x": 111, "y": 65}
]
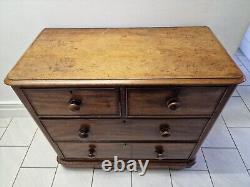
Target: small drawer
[
  {"x": 173, "y": 101},
  {"x": 161, "y": 151},
  {"x": 70, "y": 102},
  {"x": 151, "y": 151},
  {"x": 122, "y": 130},
  {"x": 94, "y": 151}
]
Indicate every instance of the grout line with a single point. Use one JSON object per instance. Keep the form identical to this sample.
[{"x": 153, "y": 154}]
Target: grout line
[
  {"x": 24, "y": 157},
  {"x": 239, "y": 61},
  {"x": 6, "y": 128},
  {"x": 239, "y": 127},
  {"x": 234, "y": 143},
  {"x": 171, "y": 180},
  {"x": 14, "y": 146},
  {"x": 248, "y": 85},
  {"x": 245, "y": 103},
  {"x": 237, "y": 92},
  {"x": 195, "y": 169},
  {"x": 3, "y": 132},
  {"x": 243, "y": 64},
  {"x": 219, "y": 147},
  {"x": 131, "y": 179},
  {"x": 237, "y": 52},
  {"x": 247, "y": 109},
  {"x": 39, "y": 167},
  {"x": 207, "y": 167},
  {"x": 54, "y": 175},
  {"x": 92, "y": 180}
]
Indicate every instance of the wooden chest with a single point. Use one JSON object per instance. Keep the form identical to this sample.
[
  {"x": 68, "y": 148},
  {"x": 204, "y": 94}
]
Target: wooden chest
[{"x": 142, "y": 93}]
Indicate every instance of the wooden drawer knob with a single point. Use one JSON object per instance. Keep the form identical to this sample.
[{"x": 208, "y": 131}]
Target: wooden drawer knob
[
  {"x": 165, "y": 130},
  {"x": 173, "y": 104},
  {"x": 74, "y": 104},
  {"x": 92, "y": 152},
  {"x": 159, "y": 152},
  {"x": 83, "y": 132}
]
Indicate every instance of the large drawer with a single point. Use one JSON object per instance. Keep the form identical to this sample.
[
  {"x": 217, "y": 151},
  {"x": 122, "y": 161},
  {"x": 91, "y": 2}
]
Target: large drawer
[
  {"x": 129, "y": 129},
  {"x": 126, "y": 150},
  {"x": 90, "y": 102},
  {"x": 173, "y": 101}
]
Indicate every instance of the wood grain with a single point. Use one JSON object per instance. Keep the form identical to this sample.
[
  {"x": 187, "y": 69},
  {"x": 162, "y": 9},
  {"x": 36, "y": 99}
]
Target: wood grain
[
  {"x": 137, "y": 93},
  {"x": 126, "y": 150},
  {"x": 103, "y": 150},
  {"x": 104, "y": 130},
  {"x": 56, "y": 101},
  {"x": 176, "y": 55},
  {"x": 192, "y": 100}
]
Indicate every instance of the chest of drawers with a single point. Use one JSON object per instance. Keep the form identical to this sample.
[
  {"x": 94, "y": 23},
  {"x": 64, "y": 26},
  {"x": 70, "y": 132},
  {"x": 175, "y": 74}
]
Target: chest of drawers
[{"x": 143, "y": 93}]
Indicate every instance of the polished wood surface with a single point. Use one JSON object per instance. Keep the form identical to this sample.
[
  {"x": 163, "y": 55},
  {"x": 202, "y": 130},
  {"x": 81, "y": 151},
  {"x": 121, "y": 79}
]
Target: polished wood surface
[
  {"x": 109, "y": 130},
  {"x": 121, "y": 56},
  {"x": 153, "y": 164},
  {"x": 161, "y": 151},
  {"x": 176, "y": 101},
  {"x": 126, "y": 150},
  {"x": 59, "y": 101},
  {"x": 100, "y": 150},
  {"x": 141, "y": 93}
]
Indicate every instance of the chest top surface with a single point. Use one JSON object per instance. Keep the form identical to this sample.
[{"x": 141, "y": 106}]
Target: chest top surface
[{"x": 182, "y": 55}]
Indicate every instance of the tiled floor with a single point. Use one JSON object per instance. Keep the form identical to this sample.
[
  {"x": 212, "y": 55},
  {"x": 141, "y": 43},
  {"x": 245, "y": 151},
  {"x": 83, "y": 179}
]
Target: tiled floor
[{"x": 27, "y": 159}]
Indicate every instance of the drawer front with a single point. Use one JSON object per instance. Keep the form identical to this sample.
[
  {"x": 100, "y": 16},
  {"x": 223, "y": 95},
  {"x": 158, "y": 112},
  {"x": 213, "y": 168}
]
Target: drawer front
[
  {"x": 173, "y": 101},
  {"x": 126, "y": 151},
  {"x": 119, "y": 130},
  {"x": 91, "y": 151},
  {"x": 74, "y": 101},
  {"x": 161, "y": 151}
]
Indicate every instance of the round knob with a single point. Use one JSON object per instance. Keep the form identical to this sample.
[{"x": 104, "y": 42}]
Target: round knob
[
  {"x": 74, "y": 104},
  {"x": 92, "y": 152},
  {"x": 159, "y": 156},
  {"x": 84, "y": 132},
  {"x": 165, "y": 130},
  {"x": 159, "y": 152},
  {"x": 173, "y": 104}
]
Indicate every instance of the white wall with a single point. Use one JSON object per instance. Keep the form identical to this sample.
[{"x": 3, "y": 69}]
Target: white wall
[{"x": 22, "y": 20}]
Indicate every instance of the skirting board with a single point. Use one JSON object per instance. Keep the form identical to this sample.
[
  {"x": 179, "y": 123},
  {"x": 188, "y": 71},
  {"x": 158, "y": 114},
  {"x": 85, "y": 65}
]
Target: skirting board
[{"x": 13, "y": 110}]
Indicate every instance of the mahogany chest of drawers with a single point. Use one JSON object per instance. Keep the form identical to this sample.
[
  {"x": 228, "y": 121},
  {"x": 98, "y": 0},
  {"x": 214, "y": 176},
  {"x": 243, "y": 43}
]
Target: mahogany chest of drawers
[{"x": 141, "y": 93}]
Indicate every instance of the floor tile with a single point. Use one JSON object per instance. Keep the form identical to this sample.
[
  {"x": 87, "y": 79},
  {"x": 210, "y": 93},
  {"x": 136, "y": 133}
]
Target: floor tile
[
  {"x": 19, "y": 133},
  {"x": 236, "y": 113},
  {"x": 152, "y": 178},
  {"x": 200, "y": 162},
  {"x": 236, "y": 60},
  {"x": 68, "y": 176},
  {"x": 1, "y": 132},
  {"x": 226, "y": 168},
  {"x": 235, "y": 93},
  {"x": 247, "y": 76},
  {"x": 244, "y": 60},
  {"x": 244, "y": 92},
  {"x": 4, "y": 122},
  {"x": 219, "y": 136},
  {"x": 30, "y": 177},
  {"x": 241, "y": 137},
  {"x": 111, "y": 179},
  {"x": 191, "y": 178},
  {"x": 40, "y": 146},
  {"x": 10, "y": 161},
  {"x": 239, "y": 53}
]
